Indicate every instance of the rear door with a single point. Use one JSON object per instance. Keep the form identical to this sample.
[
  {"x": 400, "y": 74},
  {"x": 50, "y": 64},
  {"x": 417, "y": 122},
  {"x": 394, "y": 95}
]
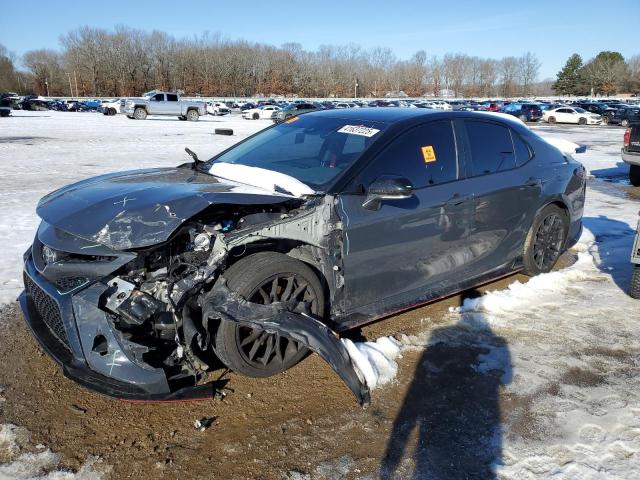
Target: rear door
[
  {"x": 396, "y": 254},
  {"x": 507, "y": 192},
  {"x": 172, "y": 105}
]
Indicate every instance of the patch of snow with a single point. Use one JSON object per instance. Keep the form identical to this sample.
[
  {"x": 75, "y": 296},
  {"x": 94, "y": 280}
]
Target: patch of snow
[
  {"x": 37, "y": 465},
  {"x": 375, "y": 361}
]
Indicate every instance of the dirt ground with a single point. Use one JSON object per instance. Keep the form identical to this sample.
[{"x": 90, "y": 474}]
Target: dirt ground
[{"x": 303, "y": 422}]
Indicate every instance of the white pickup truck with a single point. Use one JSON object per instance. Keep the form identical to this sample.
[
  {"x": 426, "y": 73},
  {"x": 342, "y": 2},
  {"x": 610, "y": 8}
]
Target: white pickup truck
[{"x": 162, "y": 103}]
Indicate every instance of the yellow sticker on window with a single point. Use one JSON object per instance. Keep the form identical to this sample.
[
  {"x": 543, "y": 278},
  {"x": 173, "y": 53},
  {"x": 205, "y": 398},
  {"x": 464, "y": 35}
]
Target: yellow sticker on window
[
  {"x": 292, "y": 119},
  {"x": 428, "y": 154}
]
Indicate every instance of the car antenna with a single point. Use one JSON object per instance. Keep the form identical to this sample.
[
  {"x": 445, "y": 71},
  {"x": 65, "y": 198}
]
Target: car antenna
[{"x": 196, "y": 160}]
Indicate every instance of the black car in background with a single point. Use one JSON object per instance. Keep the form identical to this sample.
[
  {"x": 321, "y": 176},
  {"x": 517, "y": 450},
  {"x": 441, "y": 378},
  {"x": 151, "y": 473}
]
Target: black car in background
[
  {"x": 608, "y": 113},
  {"x": 136, "y": 281},
  {"x": 527, "y": 112}
]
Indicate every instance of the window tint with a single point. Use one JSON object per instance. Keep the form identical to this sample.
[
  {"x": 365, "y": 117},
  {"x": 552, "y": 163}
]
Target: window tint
[
  {"x": 426, "y": 155},
  {"x": 491, "y": 147},
  {"x": 172, "y": 98},
  {"x": 522, "y": 150},
  {"x": 159, "y": 97}
]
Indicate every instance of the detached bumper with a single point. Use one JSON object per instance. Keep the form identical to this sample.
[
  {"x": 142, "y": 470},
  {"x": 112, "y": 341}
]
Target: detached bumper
[{"x": 68, "y": 326}]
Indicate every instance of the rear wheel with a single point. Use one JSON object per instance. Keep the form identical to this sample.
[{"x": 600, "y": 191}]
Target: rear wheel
[
  {"x": 634, "y": 289},
  {"x": 193, "y": 115},
  {"x": 264, "y": 278},
  {"x": 634, "y": 175},
  {"x": 139, "y": 113},
  {"x": 545, "y": 240}
]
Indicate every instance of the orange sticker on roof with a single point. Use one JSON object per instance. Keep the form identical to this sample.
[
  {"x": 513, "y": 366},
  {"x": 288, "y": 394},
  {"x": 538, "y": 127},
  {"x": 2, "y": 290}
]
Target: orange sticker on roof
[
  {"x": 292, "y": 119},
  {"x": 428, "y": 154}
]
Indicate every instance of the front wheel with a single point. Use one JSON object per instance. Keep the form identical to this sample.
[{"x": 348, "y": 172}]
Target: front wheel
[
  {"x": 634, "y": 289},
  {"x": 605, "y": 120},
  {"x": 265, "y": 278},
  {"x": 624, "y": 123},
  {"x": 256, "y": 116},
  {"x": 552, "y": 120},
  {"x": 193, "y": 115},
  {"x": 634, "y": 175},
  {"x": 545, "y": 240},
  {"x": 523, "y": 118},
  {"x": 582, "y": 121}
]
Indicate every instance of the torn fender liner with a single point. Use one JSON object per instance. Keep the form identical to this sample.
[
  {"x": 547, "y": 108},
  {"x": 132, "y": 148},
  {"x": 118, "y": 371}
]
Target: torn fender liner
[{"x": 280, "y": 318}]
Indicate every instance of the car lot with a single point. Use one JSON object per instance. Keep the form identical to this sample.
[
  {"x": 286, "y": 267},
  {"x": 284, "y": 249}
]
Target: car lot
[{"x": 543, "y": 372}]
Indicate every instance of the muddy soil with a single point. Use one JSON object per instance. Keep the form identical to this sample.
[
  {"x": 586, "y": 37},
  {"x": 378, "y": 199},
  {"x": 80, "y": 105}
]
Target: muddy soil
[{"x": 300, "y": 423}]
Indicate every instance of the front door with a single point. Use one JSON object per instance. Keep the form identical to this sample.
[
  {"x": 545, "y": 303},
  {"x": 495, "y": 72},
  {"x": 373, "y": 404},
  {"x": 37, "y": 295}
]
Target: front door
[{"x": 397, "y": 253}]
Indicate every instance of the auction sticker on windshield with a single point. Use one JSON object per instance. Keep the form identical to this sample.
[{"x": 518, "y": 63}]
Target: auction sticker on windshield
[{"x": 359, "y": 130}]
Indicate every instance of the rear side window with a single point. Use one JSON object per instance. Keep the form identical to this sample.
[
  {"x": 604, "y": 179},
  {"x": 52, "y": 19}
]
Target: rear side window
[
  {"x": 171, "y": 97},
  {"x": 491, "y": 147},
  {"x": 522, "y": 150},
  {"x": 426, "y": 155}
]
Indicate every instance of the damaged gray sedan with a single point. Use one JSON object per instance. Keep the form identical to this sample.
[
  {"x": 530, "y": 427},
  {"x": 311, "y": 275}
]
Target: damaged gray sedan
[{"x": 138, "y": 282}]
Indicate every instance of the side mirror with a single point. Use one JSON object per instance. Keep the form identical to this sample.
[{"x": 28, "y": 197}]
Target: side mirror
[{"x": 387, "y": 187}]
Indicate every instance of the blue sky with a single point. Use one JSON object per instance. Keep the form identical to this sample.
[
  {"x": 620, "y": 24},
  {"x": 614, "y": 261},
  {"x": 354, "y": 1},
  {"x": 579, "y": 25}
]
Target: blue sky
[{"x": 551, "y": 29}]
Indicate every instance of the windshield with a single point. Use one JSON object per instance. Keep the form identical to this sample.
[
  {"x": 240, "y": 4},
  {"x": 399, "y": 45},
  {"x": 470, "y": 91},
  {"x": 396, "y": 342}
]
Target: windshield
[{"x": 312, "y": 149}]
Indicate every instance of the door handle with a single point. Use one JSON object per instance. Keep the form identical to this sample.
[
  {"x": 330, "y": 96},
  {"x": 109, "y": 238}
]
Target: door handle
[
  {"x": 458, "y": 199},
  {"x": 534, "y": 182}
]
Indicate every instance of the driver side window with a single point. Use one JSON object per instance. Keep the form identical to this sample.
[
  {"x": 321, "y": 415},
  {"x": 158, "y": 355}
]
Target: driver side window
[
  {"x": 158, "y": 97},
  {"x": 425, "y": 155}
]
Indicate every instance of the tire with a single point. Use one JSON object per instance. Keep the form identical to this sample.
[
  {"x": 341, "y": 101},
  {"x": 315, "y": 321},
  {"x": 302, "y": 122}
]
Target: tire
[
  {"x": 193, "y": 115},
  {"x": 582, "y": 121},
  {"x": 139, "y": 113},
  {"x": 624, "y": 123},
  {"x": 246, "y": 277},
  {"x": 634, "y": 289},
  {"x": 223, "y": 131},
  {"x": 256, "y": 116},
  {"x": 523, "y": 118},
  {"x": 634, "y": 175},
  {"x": 182, "y": 117},
  {"x": 605, "y": 120},
  {"x": 130, "y": 117},
  {"x": 552, "y": 120},
  {"x": 545, "y": 241}
]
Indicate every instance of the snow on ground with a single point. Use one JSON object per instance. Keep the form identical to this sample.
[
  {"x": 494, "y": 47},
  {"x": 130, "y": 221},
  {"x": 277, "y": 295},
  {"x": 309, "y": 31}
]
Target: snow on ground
[
  {"x": 21, "y": 460},
  {"x": 42, "y": 151}
]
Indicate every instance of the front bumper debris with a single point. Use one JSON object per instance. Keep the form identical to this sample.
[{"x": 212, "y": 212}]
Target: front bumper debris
[
  {"x": 284, "y": 319},
  {"x": 66, "y": 326}
]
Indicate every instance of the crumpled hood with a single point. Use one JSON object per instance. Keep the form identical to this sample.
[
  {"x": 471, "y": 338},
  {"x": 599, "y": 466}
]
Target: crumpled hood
[{"x": 140, "y": 208}]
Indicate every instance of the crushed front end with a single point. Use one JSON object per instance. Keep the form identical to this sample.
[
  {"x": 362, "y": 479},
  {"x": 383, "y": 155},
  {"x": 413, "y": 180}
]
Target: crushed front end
[{"x": 139, "y": 323}]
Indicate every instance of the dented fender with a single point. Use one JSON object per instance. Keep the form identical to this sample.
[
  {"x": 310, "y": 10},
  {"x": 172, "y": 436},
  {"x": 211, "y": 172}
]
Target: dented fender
[{"x": 281, "y": 318}]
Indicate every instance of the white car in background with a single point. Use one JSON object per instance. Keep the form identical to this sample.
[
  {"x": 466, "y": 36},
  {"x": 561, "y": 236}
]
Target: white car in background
[
  {"x": 217, "y": 108},
  {"x": 441, "y": 105},
  {"x": 260, "y": 113},
  {"x": 110, "y": 107},
  {"x": 571, "y": 115}
]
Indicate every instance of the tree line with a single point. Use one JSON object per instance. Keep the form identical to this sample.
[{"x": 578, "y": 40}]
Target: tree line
[
  {"x": 127, "y": 62},
  {"x": 606, "y": 74}
]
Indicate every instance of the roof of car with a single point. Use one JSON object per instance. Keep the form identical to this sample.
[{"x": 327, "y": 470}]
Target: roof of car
[{"x": 408, "y": 115}]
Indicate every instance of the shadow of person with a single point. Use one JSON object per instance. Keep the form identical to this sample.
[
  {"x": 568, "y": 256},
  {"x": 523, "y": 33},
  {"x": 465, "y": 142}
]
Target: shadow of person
[
  {"x": 614, "y": 242},
  {"x": 450, "y": 416}
]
